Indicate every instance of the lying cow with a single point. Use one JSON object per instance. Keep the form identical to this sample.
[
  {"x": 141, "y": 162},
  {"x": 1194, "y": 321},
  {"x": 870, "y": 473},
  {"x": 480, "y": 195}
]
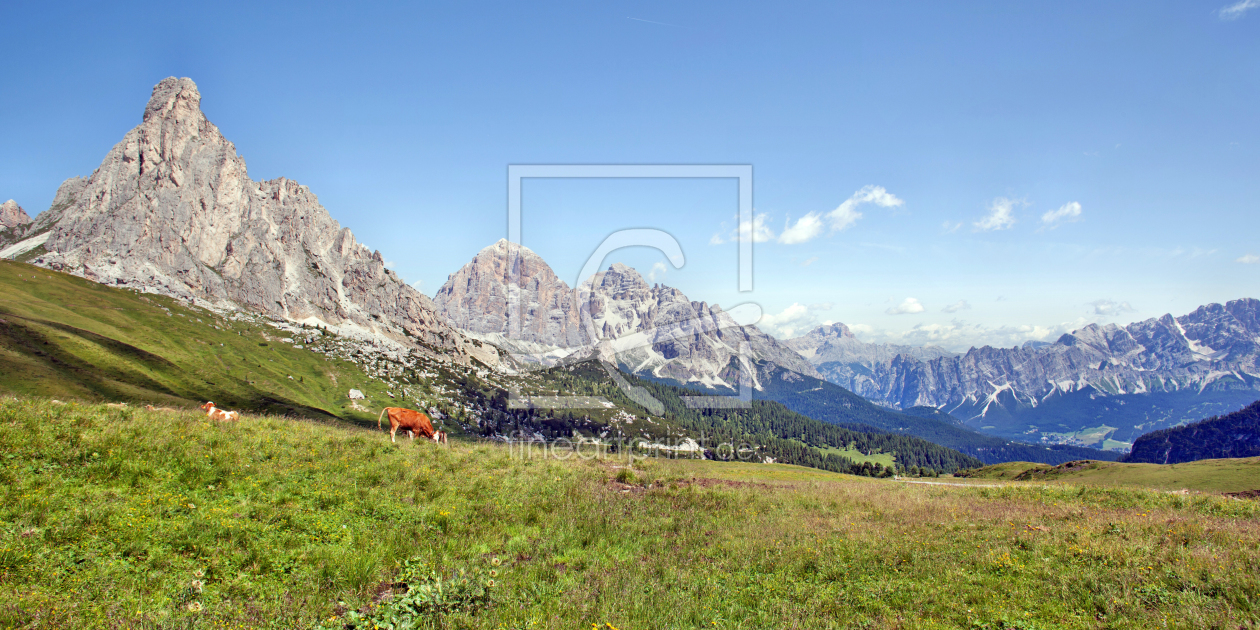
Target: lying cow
[
  {"x": 411, "y": 421},
  {"x": 214, "y": 413}
]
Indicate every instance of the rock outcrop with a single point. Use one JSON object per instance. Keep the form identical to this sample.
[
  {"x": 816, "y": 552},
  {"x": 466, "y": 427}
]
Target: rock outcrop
[
  {"x": 12, "y": 215},
  {"x": 645, "y": 329},
  {"x": 172, "y": 209},
  {"x": 479, "y": 296}
]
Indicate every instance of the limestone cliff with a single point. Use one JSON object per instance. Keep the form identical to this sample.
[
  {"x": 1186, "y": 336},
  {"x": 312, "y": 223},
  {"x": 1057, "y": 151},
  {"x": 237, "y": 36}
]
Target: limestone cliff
[{"x": 172, "y": 209}]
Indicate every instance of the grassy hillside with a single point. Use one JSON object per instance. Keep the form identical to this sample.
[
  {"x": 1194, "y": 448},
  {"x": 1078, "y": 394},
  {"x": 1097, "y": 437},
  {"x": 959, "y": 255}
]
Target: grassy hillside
[
  {"x": 66, "y": 337},
  {"x": 122, "y": 518},
  {"x": 1208, "y": 475}
]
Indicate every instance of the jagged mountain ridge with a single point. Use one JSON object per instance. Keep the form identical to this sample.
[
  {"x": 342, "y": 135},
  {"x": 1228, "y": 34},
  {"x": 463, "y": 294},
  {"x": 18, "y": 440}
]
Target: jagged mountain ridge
[
  {"x": 172, "y": 210},
  {"x": 845, "y": 360},
  {"x": 1216, "y": 348},
  {"x": 677, "y": 339}
]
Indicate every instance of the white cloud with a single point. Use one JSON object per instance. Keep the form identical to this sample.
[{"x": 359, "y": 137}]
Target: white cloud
[
  {"x": 842, "y": 217},
  {"x": 794, "y": 321},
  {"x": 1249, "y": 259},
  {"x": 811, "y": 225},
  {"x": 806, "y": 228},
  {"x": 907, "y": 307},
  {"x": 1001, "y": 215},
  {"x": 949, "y": 228},
  {"x": 960, "y": 305},
  {"x": 1067, "y": 213},
  {"x": 1236, "y": 10},
  {"x": 846, "y": 214},
  {"x": 1108, "y": 308},
  {"x": 418, "y": 285},
  {"x": 389, "y": 264},
  {"x": 757, "y": 230},
  {"x": 656, "y": 268},
  {"x": 810, "y": 261}
]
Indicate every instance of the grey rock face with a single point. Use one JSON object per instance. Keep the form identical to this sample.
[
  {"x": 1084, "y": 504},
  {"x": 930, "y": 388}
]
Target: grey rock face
[
  {"x": 65, "y": 197},
  {"x": 477, "y": 297},
  {"x": 645, "y": 328},
  {"x": 12, "y": 215},
  {"x": 172, "y": 208},
  {"x": 1158, "y": 354},
  {"x": 686, "y": 341}
]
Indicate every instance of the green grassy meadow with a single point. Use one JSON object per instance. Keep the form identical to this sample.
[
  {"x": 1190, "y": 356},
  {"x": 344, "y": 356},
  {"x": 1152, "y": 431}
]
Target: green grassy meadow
[
  {"x": 122, "y": 518},
  {"x": 883, "y": 459},
  {"x": 1205, "y": 475},
  {"x": 66, "y": 337}
]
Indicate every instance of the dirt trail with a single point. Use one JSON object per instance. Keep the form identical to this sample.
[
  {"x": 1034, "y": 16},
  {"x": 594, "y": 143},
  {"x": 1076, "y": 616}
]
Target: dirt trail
[{"x": 960, "y": 485}]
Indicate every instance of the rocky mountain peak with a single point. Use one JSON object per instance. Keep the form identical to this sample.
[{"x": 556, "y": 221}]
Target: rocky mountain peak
[
  {"x": 12, "y": 215},
  {"x": 620, "y": 281},
  {"x": 840, "y": 355},
  {"x": 647, "y": 328},
  {"x": 172, "y": 210},
  {"x": 176, "y": 99},
  {"x": 829, "y": 332},
  {"x": 480, "y": 297}
]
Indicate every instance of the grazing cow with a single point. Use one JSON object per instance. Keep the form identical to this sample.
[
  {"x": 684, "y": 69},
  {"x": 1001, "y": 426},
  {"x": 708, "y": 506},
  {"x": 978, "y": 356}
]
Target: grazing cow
[
  {"x": 411, "y": 421},
  {"x": 214, "y": 413}
]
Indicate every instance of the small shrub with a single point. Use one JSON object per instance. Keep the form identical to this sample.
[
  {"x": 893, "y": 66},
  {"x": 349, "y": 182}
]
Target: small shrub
[{"x": 428, "y": 596}]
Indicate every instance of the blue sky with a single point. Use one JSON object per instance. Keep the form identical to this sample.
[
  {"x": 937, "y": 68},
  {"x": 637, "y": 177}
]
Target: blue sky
[{"x": 1135, "y": 122}]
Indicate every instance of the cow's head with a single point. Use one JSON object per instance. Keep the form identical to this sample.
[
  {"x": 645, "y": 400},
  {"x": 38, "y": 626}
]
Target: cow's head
[{"x": 208, "y": 406}]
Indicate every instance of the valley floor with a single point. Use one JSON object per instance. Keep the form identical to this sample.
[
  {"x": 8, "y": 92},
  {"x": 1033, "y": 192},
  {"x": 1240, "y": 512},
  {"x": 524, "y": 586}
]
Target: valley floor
[{"x": 122, "y": 518}]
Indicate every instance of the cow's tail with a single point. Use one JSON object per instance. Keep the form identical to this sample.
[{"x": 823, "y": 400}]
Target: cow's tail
[{"x": 378, "y": 418}]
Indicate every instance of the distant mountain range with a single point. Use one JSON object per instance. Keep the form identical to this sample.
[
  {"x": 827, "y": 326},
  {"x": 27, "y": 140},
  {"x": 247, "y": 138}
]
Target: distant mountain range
[
  {"x": 1231, "y": 435},
  {"x": 833, "y": 404},
  {"x": 657, "y": 333},
  {"x": 1099, "y": 385},
  {"x": 848, "y": 362}
]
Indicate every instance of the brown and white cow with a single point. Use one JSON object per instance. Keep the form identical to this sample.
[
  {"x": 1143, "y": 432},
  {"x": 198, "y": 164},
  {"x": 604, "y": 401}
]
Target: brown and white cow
[
  {"x": 411, "y": 421},
  {"x": 214, "y": 413}
]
